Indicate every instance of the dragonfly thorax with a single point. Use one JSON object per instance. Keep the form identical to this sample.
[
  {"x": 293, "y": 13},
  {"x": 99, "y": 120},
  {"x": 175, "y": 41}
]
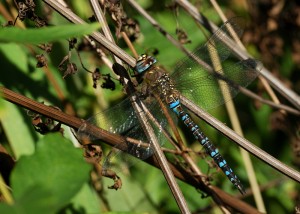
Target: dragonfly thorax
[
  {"x": 156, "y": 80},
  {"x": 159, "y": 82}
]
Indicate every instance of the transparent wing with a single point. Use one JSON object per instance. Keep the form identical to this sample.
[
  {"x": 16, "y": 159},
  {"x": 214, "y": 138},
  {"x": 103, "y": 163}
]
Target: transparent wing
[
  {"x": 203, "y": 86},
  {"x": 119, "y": 119},
  {"x": 216, "y": 41},
  {"x": 122, "y": 119},
  {"x": 212, "y": 90}
]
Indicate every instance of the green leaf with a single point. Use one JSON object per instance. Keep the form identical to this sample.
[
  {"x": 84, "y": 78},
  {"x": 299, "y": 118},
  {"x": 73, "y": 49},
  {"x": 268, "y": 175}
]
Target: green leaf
[
  {"x": 86, "y": 199},
  {"x": 5, "y": 208},
  {"x": 45, "y": 34},
  {"x": 15, "y": 54},
  {"x": 53, "y": 174},
  {"x": 17, "y": 130},
  {"x": 44, "y": 201}
]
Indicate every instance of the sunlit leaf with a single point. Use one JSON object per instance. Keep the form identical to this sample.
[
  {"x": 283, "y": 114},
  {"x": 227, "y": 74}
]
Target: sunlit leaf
[
  {"x": 56, "y": 167},
  {"x": 45, "y": 34}
]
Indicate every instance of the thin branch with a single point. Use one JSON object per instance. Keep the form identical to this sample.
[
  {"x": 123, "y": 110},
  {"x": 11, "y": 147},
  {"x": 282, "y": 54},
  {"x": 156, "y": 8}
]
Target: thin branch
[
  {"x": 162, "y": 160},
  {"x": 101, "y": 19},
  {"x": 233, "y": 116},
  {"x": 268, "y": 102}
]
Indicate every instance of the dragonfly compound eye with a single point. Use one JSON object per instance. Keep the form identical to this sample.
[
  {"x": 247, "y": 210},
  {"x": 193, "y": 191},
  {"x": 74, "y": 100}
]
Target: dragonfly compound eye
[{"x": 144, "y": 62}]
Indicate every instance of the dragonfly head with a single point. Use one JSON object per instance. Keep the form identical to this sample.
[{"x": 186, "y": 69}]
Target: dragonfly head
[{"x": 144, "y": 62}]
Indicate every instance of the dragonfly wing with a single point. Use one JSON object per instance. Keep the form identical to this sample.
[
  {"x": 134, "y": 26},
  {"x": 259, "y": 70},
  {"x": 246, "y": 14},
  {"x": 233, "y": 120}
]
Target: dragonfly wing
[
  {"x": 216, "y": 41},
  {"x": 122, "y": 119},
  {"x": 119, "y": 119},
  {"x": 204, "y": 88}
]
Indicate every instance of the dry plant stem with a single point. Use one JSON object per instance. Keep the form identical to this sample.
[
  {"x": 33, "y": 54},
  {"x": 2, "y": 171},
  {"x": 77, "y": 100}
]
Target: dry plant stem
[
  {"x": 271, "y": 92},
  {"x": 101, "y": 19},
  {"x": 69, "y": 15},
  {"x": 180, "y": 149},
  {"x": 224, "y": 19},
  {"x": 5, "y": 13},
  {"x": 14, "y": 13},
  {"x": 101, "y": 54},
  {"x": 113, "y": 140},
  {"x": 160, "y": 156},
  {"x": 165, "y": 132},
  {"x": 129, "y": 44},
  {"x": 240, "y": 204},
  {"x": 268, "y": 102},
  {"x": 4, "y": 190},
  {"x": 141, "y": 112},
  {"x": 181, "y": 145},
  {"x": 271, "y": 184},
  {"x": 246, "y": 157},
  {"x": 262, "y": 155},
  {"x": 234, "y": 117},
  {"x": 284, "y": 91}
]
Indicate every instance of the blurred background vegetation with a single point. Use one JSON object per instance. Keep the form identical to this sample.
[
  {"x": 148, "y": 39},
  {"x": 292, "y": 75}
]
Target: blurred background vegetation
[{"x": 271, "y": 34}]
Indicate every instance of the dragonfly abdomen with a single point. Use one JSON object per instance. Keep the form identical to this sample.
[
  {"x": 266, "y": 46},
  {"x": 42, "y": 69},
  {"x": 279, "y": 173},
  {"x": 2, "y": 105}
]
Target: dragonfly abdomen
[{"x": 210, "y": 149}]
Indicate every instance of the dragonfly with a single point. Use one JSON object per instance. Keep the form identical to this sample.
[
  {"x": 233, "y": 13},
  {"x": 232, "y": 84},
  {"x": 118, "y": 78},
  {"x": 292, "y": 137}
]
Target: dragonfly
[{"x": 189, "y": 78}]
